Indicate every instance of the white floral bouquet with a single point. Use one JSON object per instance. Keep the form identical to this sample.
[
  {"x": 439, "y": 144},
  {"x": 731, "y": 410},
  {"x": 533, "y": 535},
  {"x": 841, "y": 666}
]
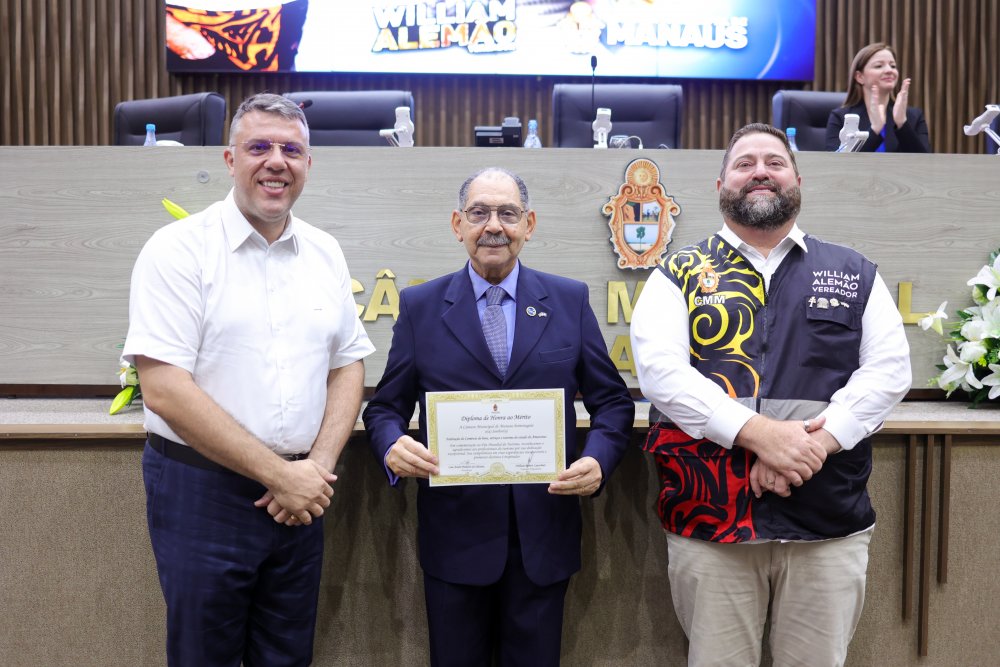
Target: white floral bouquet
[
  {"x": 972, "y": 361},
  {"x": 129, "y": 379}
]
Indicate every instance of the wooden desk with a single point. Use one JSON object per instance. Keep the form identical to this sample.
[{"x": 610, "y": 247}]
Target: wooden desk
[{"x": 37, "y": 433}]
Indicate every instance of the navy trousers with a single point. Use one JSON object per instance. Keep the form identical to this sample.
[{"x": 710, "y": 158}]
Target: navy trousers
[
  {"x": 238, "y": 586},
  {"x": 510, "y": 623}
]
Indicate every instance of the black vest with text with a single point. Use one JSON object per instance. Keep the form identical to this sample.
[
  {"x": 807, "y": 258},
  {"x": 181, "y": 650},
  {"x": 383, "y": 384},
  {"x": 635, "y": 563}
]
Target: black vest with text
[{"x": 782, "y": 353}]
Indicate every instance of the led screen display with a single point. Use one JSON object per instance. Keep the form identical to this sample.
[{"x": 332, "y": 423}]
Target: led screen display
[{"x": 706, "y": 39}]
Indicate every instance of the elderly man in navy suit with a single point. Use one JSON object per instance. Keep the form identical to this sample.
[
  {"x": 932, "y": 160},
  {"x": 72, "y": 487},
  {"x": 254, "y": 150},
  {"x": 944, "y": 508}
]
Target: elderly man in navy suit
[{"x": 497, "y": 558}]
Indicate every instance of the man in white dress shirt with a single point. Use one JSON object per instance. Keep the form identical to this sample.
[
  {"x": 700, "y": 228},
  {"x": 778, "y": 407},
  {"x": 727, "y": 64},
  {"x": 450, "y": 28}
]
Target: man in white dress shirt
[
  {"x": 249, "y": 349},
  {"x": 770, "y": 357}
]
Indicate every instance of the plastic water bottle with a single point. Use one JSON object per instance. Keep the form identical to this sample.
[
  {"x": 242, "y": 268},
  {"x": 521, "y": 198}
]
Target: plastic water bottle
[
  {"x": 150, "y": 135},
  {"x": 790, "y": 133},
  {"x": 532, "y": 141}
]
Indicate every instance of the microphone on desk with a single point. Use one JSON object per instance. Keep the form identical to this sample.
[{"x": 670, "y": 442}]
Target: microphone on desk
[
  {"x": 851, "y": 138},
  {"x": 602, "y": 127},
  {"x": 982, "y": 124},
  {"x": 400, "y": 134},
  {"x": 982, "y": 121},
  {"x": 593, "y": 84},
  {"x": 305, "y": 104}
]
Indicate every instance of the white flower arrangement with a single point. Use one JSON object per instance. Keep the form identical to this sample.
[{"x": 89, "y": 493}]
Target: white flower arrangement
[
  {"x": 972, "y": 361},
  {"x": 129, "y": 379}
]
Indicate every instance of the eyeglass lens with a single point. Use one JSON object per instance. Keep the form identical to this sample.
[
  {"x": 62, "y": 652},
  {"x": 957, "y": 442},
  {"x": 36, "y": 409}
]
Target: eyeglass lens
[
  {"x": 508, "y": 215},
  {"x": 260, "y": 147}
]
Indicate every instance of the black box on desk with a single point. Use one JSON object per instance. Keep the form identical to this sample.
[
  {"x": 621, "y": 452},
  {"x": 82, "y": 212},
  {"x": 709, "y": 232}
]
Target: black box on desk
[{"x": 508, "y": 134}]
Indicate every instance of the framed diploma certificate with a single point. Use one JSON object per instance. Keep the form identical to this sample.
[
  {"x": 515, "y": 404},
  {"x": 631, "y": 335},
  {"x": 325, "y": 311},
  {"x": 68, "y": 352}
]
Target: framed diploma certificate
[{"x": 497, "y": 437}]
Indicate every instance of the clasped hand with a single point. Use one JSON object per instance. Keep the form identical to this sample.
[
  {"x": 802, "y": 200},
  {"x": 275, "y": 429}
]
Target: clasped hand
[
  {"x": 302, "y": 492},
  {"x": 785, "y": 448},
  {"x": 764, "y": 477}
]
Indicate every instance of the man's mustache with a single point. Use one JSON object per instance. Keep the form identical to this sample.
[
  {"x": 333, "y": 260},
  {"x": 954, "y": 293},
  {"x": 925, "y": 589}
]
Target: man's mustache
[
  {"x": 757, "y": 183},
  {"x": 493, "y": 240}
]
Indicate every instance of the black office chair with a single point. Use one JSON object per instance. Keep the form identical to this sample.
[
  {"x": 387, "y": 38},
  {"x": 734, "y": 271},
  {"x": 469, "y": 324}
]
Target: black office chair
[
  {"x": 351, "y": 118},
  {"x": 194, "y": 120},
  {"x": 652, "y": 112},
  {"x": 807, "y": 111}
]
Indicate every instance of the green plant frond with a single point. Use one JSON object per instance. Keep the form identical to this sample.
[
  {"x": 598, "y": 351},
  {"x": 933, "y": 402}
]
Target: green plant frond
[
  {"x": 979, "y": 396},
  {"x": 174, "y": 210},
  {"x": 122, "y": 400}
]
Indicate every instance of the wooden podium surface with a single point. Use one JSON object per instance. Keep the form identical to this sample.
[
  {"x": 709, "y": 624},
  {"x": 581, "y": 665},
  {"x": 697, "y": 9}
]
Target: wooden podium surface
[{"x": 87, "y": 419}]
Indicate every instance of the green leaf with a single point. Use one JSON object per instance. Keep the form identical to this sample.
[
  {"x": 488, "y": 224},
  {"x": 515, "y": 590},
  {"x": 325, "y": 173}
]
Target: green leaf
[
  {"x": 979, "y": 396},
  {"x": 174, "y": 210},
  {"x": 123, "y": 399}
]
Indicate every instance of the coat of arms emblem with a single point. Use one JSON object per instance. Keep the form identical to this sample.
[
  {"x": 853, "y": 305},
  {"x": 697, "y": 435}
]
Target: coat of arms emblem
[
  {"x": 642, "y": 217},
  {"x": 708, "y": 280}
]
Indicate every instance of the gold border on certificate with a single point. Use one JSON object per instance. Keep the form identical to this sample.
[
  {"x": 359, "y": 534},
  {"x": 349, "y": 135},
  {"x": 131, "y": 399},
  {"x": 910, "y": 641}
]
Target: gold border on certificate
[{"x": 497, "y": 404}]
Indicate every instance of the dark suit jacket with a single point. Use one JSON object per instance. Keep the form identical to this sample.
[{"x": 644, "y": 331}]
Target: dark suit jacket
[
  {"x": 912, "y": 137},
  {"x": 438, "y": 345}
]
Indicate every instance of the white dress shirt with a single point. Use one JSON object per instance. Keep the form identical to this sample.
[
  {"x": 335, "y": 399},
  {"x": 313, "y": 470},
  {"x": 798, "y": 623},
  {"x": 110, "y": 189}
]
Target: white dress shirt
[
  {"x": 258, "y": 326},
  {"x": 702, "y": 409}
]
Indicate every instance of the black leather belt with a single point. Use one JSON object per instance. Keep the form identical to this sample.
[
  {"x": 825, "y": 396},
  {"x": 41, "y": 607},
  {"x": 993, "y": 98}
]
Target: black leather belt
[{"x": 190, "y": 456}]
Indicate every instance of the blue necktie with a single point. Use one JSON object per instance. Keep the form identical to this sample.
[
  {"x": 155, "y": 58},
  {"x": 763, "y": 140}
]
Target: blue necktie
[{"x": 495, "y": 327}]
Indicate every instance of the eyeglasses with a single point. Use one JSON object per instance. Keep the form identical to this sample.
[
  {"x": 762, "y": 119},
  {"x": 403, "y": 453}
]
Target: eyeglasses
[
  {"x": 480, "y": 215},
  {"x": 260, "y": 147}
]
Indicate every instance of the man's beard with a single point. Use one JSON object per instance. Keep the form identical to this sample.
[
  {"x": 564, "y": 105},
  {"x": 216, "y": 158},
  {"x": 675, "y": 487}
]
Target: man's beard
[{"x": 760, "y": 212}]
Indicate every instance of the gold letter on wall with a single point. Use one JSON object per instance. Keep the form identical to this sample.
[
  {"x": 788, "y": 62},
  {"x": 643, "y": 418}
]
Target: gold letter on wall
[
  {"x": 621, "y": 354},
  {"x": 618, "y": 294},
  {"x": 385, "y": 297}
]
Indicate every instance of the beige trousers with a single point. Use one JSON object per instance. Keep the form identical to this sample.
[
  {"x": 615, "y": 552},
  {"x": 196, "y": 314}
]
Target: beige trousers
[{"x": 721, "y": 594}]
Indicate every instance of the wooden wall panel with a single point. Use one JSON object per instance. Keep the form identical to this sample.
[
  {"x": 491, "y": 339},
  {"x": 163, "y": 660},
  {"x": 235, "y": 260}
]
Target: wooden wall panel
[
  {"x": 66, "y": 63},
  {"x": 70, "y": 236}
]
